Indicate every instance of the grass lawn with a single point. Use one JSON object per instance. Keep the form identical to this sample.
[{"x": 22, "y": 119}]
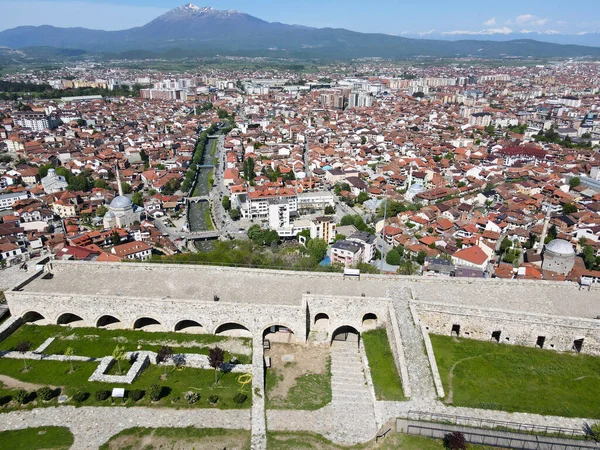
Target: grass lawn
[
  {"x": 393, "y": 441},
  {"x": 310, "y": 391},
  {"x": 178, "y": 382},
  {"x": 386, "y": 380},
  {"x": 513, "y": 378},
  {"x": 208, "y": 218},
  {"x": 189, "y": 437},
  {"x": 98, "y": 342},
  {"x": 36, "y": 438}
]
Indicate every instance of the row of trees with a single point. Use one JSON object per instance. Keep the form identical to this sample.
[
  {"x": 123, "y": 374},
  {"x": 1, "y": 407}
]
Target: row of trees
[{"x": 190, "y": 175}]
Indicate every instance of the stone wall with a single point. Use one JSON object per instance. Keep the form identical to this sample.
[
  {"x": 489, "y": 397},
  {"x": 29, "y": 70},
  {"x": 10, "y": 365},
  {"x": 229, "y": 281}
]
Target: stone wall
[
  {"x": 9, "y": 326},
  {"x": 511, "y": 327}
]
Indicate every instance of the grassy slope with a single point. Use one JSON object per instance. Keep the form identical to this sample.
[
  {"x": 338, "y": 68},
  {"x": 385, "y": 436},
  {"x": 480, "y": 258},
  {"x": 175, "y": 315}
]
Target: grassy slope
[
  {"x": 386, "y": 380},
  {"x": 177, "y": 383},
  {"x": 393, "y": 441},
  {"x": 514, "y": 378},
  {"x": 36, "y": 438},
  {"x": 310, "y": 392},
  {"x": 97, "y": 342},
  {"x": 180, "y": 435}
]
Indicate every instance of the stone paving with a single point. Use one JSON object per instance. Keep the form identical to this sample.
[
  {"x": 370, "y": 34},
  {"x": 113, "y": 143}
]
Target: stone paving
[
  {"x": 419, "y": 372},
  {"x": 93, "y": 426}
]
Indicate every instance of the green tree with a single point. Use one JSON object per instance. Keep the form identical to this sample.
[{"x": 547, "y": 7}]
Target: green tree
[
  {"x": 100, "y": 183},
  {"x": 393, "y": 258},
  {"x": 163, "y": 355},
  {"x": 126, "y": 187},
  {"x": 101, "y": 210},
  {"x": 569, "y": 208},
  {"x": 421, "y": 257},
  {"x": 362, "y": 197},
  {"x": 248, "y": 168},
  {"x": 363, "y": 140},
  {"x": 505, "y": 245},
  {"x": 222, "y": 113},
  {"x": 407, "y": 268},
  {"x": 116, "y": 238},
  {"x": 317, "y": 249},
  {"x": 574, "y": 182},
  {"x": 226, "y": 203},
  {"x": 330, "y": 209},
  {"x": 235, "y": 214},
  {"x": 119, "y": 355},
  {"x": 70, "y": 351},
  {"x": 138, "y": 198}
]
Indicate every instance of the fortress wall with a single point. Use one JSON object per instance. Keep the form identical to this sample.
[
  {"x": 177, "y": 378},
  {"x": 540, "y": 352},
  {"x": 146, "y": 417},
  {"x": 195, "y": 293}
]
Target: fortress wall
[
  {"x": 515, "y": 327},
  {"x": 167, "y": 311}
]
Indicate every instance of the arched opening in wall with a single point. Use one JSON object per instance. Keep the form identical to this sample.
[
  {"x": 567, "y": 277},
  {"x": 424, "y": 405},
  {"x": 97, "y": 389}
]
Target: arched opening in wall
[
  {"x": 455, "y": 330},
  {"x": 279, "y": 333},
  {"x": 33, "y": 317},
  {"x": 345, "y": 335},
  {"x": 369, "y": 321},
  {"x": 496, "y": 335},
  {"x": 578, "y": 345},
  {"x": 233, "y": 329},
  {"x": 189, "y": 326},
  {"x": 147, "y": 324},
  {"x": 321, "y": 322},
  {"x": 109, "y": 322},
  {"x": 69, "y": 319}
]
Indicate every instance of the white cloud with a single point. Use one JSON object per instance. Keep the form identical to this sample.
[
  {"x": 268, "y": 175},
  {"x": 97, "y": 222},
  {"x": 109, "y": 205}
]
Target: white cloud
[
  {"x": 503, "y": 30},
  {"x": 529, "y": 19},
  {"x": 491, "y": 22},
  {"x": 426, "y": 33}
]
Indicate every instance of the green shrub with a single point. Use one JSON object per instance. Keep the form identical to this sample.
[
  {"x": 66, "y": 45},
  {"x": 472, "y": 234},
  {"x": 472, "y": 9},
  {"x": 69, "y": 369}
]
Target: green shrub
[
  {"x": 21, "y": 396},
  {"x": 80, "y": 397},
  {"x": 192, "y": 397},
  {"x": 102, "y": 395},
  {"x": 45, "y": 393},
  {"x": 240, "y": 398},
  {"x": 213, "y": 399},
  {"x": 136, "y": 394},
  {"x": 155, "y": 392}
]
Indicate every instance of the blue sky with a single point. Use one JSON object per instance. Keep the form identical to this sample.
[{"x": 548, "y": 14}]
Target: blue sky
[{"x": 386, "y": 16}]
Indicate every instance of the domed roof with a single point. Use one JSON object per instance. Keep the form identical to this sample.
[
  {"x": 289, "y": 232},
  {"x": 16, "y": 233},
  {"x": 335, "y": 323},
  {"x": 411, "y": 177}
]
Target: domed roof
[
  {"x": 560, "y": 247},
  {"x": 121, "y": 202}
]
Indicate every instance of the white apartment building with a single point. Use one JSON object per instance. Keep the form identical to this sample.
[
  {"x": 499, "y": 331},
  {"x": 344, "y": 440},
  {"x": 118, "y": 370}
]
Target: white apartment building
[{"x": 323, "y": 228}]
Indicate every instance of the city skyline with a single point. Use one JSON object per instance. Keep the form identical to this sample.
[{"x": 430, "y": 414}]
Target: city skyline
[{"x": 469, "y": 19}]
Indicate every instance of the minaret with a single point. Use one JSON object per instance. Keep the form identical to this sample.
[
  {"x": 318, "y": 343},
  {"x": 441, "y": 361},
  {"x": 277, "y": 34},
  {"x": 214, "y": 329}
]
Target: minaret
[
  {"x": 410, "y": 177},
  {"x": 119, "y": 182},
  {"x": 544, "y": 232}
]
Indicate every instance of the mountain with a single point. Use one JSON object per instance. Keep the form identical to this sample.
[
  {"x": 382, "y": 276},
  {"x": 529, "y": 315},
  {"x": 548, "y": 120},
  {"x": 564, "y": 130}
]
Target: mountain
[{"x": 208, "y": 32}]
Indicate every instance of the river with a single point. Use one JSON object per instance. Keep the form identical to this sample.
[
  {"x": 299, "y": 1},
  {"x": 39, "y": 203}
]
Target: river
[{"x": 198, "y": 212}]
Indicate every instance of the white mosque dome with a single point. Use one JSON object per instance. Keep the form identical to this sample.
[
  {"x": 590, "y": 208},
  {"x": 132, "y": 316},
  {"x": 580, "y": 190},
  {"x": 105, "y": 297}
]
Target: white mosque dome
[
  {"x": 560, "y": 247},
  {"x": 121, "y": 202}
]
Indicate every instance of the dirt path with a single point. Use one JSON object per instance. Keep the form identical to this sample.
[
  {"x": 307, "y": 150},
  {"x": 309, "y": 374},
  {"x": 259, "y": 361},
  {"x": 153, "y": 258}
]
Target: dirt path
[
  {"x": 13, "y": 383},
  {"x": 291, "y": 361},
  {"x": 450, "y": 394}
]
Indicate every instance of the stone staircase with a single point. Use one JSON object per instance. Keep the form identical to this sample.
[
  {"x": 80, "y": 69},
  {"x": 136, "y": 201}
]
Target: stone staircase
[
  {"x": 419, "y": 372},
  {"x": 352, "y": 402}
]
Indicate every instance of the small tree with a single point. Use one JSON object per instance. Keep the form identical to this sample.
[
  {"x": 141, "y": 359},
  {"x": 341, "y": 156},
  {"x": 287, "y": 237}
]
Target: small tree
[
  {"x": 23, "y": 347},
  {"x": 574, "y": 182},
  {"x": 455, "y": 441},
  {"x": 216, "y": 356},
  {"x": 119, "y": 355},
  {"x": 164, "y": 354},
  {"x": 69, "y": 351}
]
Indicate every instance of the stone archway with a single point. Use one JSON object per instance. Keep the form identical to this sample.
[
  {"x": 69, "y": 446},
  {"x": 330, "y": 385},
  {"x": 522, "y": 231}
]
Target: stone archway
[
  {"x": 189, "y": 326},
  {"x": 346, "y": 334},
  {"x": 147, "y": 324},
  {"x": 32, "y": 317},
  {"x": 369, "y": 321},
  {"x": 279, "y": 333},
  {"x": 70, "y": 319},
  {"x": 233, "y": 329},
  {"x": 109, "y": 322}
]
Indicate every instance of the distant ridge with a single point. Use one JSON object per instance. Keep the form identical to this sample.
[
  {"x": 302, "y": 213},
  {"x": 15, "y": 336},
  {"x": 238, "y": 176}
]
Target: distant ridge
[{"x": 206, "y": 31}]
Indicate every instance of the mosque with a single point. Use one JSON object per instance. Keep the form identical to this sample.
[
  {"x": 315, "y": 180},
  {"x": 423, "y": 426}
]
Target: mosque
[{"x": 121, "y": 212}]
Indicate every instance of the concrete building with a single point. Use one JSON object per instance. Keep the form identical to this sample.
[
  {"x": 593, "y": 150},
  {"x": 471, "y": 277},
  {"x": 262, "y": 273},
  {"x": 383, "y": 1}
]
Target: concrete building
[
  {"x": 53, "y": 183},
  {"x": 323, "y": 228}
]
